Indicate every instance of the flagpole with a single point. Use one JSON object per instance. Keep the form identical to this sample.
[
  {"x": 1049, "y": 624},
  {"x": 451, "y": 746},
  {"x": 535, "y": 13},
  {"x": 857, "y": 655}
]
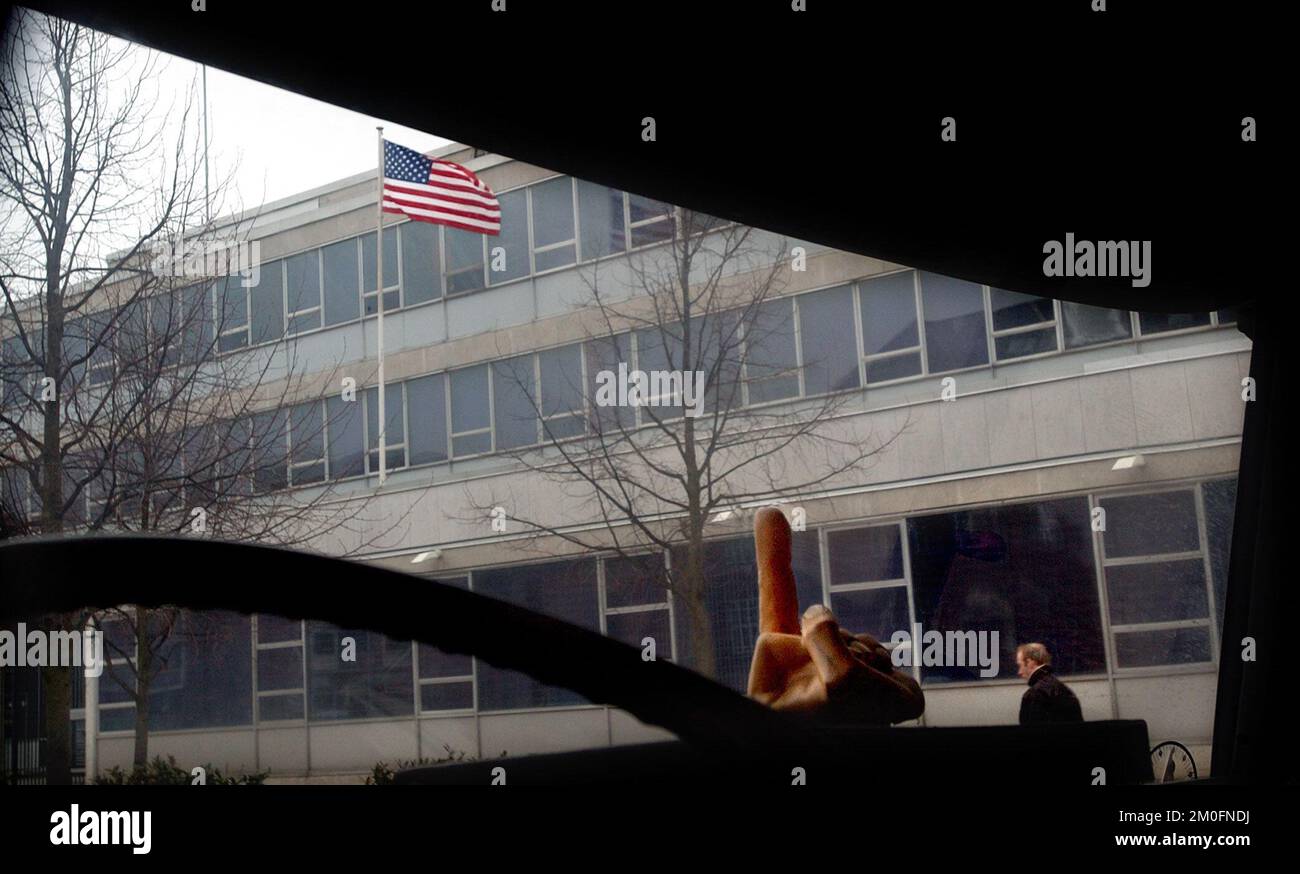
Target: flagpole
[{"x": 379, "y": 302}]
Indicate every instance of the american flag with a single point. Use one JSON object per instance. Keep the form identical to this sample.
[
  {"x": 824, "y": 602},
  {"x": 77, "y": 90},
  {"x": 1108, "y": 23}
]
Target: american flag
[{"x": 429, "y": 190}]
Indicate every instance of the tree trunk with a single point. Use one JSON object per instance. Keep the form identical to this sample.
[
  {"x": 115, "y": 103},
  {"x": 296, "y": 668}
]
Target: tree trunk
[
  {"x": 56, "y": 693},
  {"x": 143, "y": 662}
]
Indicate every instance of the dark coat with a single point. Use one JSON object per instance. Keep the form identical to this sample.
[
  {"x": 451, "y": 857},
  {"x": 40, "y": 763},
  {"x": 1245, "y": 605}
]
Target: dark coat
[{"x": 1048, "y": 700}]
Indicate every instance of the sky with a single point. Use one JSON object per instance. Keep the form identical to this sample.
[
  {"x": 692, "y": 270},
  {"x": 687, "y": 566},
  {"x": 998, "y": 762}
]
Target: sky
[{"x": 282, "y": 143}]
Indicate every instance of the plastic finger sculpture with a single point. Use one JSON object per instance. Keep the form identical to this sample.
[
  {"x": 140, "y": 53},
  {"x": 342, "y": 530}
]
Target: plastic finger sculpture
[{"x": 811, "y": 664}]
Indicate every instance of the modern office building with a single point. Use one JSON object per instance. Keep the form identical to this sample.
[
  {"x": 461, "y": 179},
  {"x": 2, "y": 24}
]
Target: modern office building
[{"x": 1002, "y": 422}]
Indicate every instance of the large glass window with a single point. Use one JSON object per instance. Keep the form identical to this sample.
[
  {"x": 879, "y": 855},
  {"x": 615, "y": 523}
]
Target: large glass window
[
  {"x": 392, "y": 279},
  {"x": 307, "y": 443},
  {"x": 354, "y": 674},
  {"x": 421, "y": 271},
  {"x": 346, "y": 438},
  {"x": 205, "y": 676},
  {"x": 394, "y": 429},
  {"x": 565, "y": 590},
  {"x": 446, "y": 679},
  {"x": 464, "y": 260},
  {"x": 1159, "y": 323},
  {"x": 561, "y": 384},
  {"x": 553, "y": 229},
  {"x": 426, "y": 404},
  {"x": 270, "y": 448},
  {"x": 600, "y": 216},
  {"x": 771, "y": 359},
  {"x": 1023, "y": 324},
  {"x": 512, "y": 242},
  {"x": 471, "y": 418},
  {"x": 636, "y": 602},
  {"x": 1025, "y": 571},
  {"x": 650, "y": 221},
  {"x": 829, "y": 341},
  {"x": 890, "y": 336},
  {"x": 868, "y": 589},
  {"x": 604, "y": 355},
  {"x": 954, "y": 323},
  {"x": 232, "y": 317},
  {"x": 303, "y": 288},
  {"x": 280, "y": 680},
  {"x": 266, "y": 300},
  {"x": 342, "y": 282},
  {"x": 1084, "y": 325},
  {"x": 1156, "y": 584},
  {"x": 514, "y": 398}
]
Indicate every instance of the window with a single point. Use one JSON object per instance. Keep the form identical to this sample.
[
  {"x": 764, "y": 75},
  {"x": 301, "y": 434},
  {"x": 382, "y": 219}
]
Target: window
[
  {"x": 471, "y": 417},
  {"x": 266, "y": 302},
  {"x": 512, "y": 241},
  {"x": 307, "y": 443},
  {"x": 891, "y": 339},
  {"x": 553, "y": 238},
  {"x": 103, "y": 338},
  {"x": 650, "y": 221},
  {"x": 280, "y": 683},
  {"x": 1227, "y": 316},
  {"x": 392, "y": 279},
  {"x": 232, "y": 318},
  {"x": 17, "y": 371},
  {"x": 565, "y": 590},
  {"x": 346, "y": 438},
  {"x": 1025, "y": 571},
  {"x": 394, "y": 428},
  {"x": 464, "y": 260},
  {"x": 829, "y": 341},
  {"x": 636, "y": 602},
  {"x": 342, "y": 282},
  {"x": 600, "y": 218},
  {"x": 205, "y": 678},
  {"x": 197, "y": 323},
  {"x": 1159, "y": 323},
  {"x": 868, "y": 589},
  {"x": 270, "y": 432},
  {"x": 303, "y": 291},
  {"x": 954, "y": 323},
  {"x": 375, "y": 679},
  {"x": 166, "y": 322},
  {"x": 1023, "y": 324},
  {"x": 514, "y": 402},
  {"x": 771, "y": 360},
  {"x": 421, "y": 272},
  {"x": 1084, "y": 325},
  {"x": 561, "y": 387},
  {"x": 604, "y": 355},
  {"x": 446, "y": 679},
  {"x": 1220, "y": 501},
  {"x": 1156, "y": 584},
  {"x": 426, "y": 404},
  {"x": 660, "y": 349}
]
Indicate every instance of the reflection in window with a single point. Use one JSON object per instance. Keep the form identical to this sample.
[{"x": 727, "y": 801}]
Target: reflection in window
[
  {"x": 553, "y": 234},
  {"x": 1159, "y": 323},
  {"x": 954, "y": 323},
  {"x": 464, "y": 260},
  {"x": 771, "y": 363},
  {"x": 828, "y": 339},
  {"x": 392, "y": 297},
  {"x": 342, "y": 282},
  {"x": 367, "y": 676},
  {"x": 1084, "y": 325},
  {"x": 304, "y": 291},
  {"x": 421, "y": 273},
  {"x": 1025, "y": 571},
  {"x": 600, "y": 216},
  {"x": 346, "y": 438},
  {"x": 891, "y": 339},
  {"x": 514, "y": 400},
  {"x": 426, "y": 402},
  {"x": 394, "y": 429},
  {"x": 512, "y": 241},
  {"x": 204, "y": 673},
  {"x": 565, "y": 590},
  {"x": 266, "y": 301},
  {"x": 561, "y": 384},
  {"x": 471, "y": 418},
  {"x": 1023, "y": 324}
]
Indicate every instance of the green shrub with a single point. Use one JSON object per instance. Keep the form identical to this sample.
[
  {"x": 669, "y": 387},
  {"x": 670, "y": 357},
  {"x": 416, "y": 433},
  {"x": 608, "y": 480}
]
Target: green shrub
[
  {"x": 382, "y": 773},
  {"x": 168, "y": 773}
]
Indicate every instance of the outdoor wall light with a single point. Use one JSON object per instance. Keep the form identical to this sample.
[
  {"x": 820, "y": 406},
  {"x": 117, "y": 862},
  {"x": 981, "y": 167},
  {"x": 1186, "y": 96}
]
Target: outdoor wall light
[
  {"x": 1128, "y": 461},
  {"x": 429, "y": 555}
]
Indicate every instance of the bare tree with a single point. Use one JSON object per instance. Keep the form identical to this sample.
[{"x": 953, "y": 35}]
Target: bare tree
[
  {"x": 129, "y": 402},
  {"x": 708, "y": 301}
]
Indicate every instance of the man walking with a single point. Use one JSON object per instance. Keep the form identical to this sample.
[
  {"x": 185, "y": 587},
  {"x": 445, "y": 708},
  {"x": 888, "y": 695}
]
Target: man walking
[{"x": 1047, "y": 699}]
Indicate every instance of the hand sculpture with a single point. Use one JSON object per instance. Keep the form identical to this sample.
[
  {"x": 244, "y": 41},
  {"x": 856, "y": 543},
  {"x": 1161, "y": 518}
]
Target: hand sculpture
[{"x": 812, "y": 664}]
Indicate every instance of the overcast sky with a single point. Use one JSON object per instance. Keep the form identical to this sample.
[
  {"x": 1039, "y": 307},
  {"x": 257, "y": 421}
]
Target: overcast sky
[{"x": 283, "y": 142}]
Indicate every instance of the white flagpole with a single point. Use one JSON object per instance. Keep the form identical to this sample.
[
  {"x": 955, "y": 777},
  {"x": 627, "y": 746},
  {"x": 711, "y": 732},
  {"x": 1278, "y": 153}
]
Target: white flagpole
[{"x": 379, "y": 303}]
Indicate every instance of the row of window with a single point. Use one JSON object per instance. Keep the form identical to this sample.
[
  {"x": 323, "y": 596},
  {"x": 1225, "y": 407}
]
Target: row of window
[
  {"x": 1027, "y": 571},
  {"x": 896, "y": 327}
]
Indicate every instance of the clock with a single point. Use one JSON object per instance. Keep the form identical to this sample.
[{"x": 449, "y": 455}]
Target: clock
[{"x": 1171, "y": 762}]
